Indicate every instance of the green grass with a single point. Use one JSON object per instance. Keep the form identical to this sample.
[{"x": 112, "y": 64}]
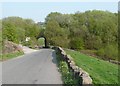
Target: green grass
[
  {"x": 10, "y": 55},
  {"x": 102, "y": 72},
  {"x": 67, "y": 76}
]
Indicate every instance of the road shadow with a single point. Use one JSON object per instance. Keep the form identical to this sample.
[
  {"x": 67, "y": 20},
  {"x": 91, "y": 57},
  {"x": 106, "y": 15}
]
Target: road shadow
[{"x": 54, "y": 60}]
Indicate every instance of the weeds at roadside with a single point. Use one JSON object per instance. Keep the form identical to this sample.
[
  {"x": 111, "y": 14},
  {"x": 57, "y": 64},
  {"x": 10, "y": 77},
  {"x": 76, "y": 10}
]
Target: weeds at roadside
[
  {"x": 10, "y": 55},
  {"x": 67, "y": 75}
]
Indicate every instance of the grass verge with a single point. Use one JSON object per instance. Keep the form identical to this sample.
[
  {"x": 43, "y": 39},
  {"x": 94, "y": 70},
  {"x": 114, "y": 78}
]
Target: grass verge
[
  {"x": 102, "y": 72},
  {"x": 67, "y": 75},
  {"x": 10, "y": 55}
]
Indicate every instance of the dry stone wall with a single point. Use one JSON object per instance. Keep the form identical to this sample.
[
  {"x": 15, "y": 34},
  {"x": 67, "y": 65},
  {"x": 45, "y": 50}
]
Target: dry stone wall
[{"x": 78, "y": 72}]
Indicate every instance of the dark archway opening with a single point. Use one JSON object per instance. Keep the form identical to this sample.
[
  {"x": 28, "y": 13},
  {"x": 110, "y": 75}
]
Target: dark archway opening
[{"x": 43, "y": 41}]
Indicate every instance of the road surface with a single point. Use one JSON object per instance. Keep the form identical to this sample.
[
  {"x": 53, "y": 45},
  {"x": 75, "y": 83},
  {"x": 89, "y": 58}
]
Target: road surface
[
  {"x": 27, "y": 50},
  {"x": 34, "y": 68}
]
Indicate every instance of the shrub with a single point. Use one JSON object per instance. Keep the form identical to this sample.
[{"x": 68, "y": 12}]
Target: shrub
[
  {"x": 101, "y": 52},
  {"x": 9, "y": 33},
  {"x": 31, "y": 43},
  {"x": 111, "y": 52},
  {"x": 108, "y": 52},
  {"x": 77, "y": 43},
  {"x": 66, "y": 75}
]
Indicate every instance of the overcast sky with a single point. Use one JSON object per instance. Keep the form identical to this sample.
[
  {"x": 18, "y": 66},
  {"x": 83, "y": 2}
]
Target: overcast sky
[{"x": 39, "y": 10}]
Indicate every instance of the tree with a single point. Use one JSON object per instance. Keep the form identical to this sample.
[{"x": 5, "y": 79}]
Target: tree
[
  {"x": 9, "y": 33},
  {"x": 16, "y": 29},
  {"x": 77, "y": 43},
  {"x": 55, "y": 35},
  {"x": 92, "y": 30}
]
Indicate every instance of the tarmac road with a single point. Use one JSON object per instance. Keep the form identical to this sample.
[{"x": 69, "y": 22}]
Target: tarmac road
[{"x": 38, "y": 67}]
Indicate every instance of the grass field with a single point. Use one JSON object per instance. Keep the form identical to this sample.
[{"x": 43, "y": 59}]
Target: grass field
[
  {"x": 10, "y": 55},
  {"x": 102, "y": 72}
]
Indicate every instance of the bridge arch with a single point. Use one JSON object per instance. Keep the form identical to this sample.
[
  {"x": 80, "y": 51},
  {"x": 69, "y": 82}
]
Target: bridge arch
[{"x": 45, "y": 41}]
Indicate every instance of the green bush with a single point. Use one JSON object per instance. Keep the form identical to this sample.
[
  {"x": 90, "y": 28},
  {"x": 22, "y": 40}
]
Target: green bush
[
  {"x": 111, "y": 52},
  {"x": 31, "y": 43},
  {"x": 41, "y": 41},
  {"x": 66, "y": 75},
  {"x": 101, "y": 52},
  {"x": 77, "y": 43},
  {"x": 63, "y": 67},
  {"x": 9, "y": 33},
  {"x": 108, "y": 52}
]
